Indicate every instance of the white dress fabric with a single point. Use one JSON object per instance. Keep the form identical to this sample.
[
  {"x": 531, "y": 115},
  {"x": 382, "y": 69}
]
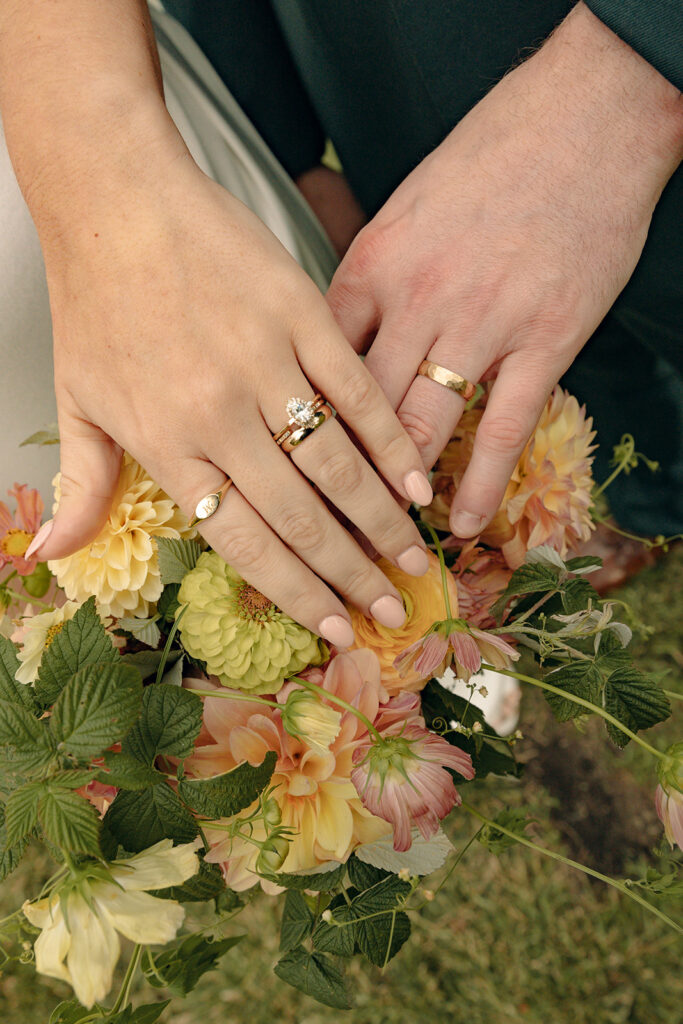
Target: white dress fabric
[{"x": 226, "y": 146}]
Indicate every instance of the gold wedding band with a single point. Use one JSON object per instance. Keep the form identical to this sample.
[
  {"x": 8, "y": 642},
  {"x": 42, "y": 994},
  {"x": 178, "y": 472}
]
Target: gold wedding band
[
  {"x": 294, "y": 438},
  {"x": 449, "y": 379},
  {"x": 301, "y": 413},
  {"x": 210, "y": 504}
]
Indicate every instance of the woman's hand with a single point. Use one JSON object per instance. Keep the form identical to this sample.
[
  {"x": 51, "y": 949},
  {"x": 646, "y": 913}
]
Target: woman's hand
[{"x": 503, "y": 250}]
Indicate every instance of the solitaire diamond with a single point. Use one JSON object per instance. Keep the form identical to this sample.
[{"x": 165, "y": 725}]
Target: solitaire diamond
[{"x": 300, "y": 412}]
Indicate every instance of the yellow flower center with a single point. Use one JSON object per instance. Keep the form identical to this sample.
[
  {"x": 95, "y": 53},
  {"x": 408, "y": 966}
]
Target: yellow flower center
[
  {"x": 252, "y": 604},
  {"x": 52, "y": 633},
  {"x": 15, "y": 542}
]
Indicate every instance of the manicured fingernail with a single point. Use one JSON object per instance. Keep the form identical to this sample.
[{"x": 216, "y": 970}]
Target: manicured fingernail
[
  {"x": 388, "y": 611},
  {"x": 39, "y": 539},
  {"x": 465, "y": 524},
  {"x": 414, "y": 561},
  {"x": 337, "y": 630},
  {"x": 418, "y": 487}
]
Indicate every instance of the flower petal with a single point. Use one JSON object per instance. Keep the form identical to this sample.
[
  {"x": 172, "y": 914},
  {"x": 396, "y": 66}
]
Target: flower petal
[
  {"x": 93, "y": 952},
  {"x": 137, "y": 915}
]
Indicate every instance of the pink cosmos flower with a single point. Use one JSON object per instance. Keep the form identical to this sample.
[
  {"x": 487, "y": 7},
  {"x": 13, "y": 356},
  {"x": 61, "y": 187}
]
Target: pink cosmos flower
[
  {"x": 403, "y": 778},
  {"x": 453, "y": 642},
  {"x": 669, "y": 806},
  {"x": 17, "y": 532}
]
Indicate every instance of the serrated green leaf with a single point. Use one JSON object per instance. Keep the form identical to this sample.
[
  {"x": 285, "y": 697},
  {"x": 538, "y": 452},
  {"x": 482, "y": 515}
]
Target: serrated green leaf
[
  {"x": 581, "y": 678},
  {"x": 9, "y": 855},
  {"x": 69, "y": 821},
  {"x": 669, "y": 884},
  {"x": 96, "y": 709},
  {"x": 636, "y": 701},
  {"x": 176, "y": 558},
  {"x": 390, "y": 893},
  {"x": 315, "y": 881},
  {"x": 169, "y": 724},
  {"x": 380, "y": 938},
  {"x": 144, "y": 630},
  {"x": 27, "y": 741},
  {"x": 147, "y": 1014},
  {"x": 297, "y": 921},
  {"x": 10, "y": 689},
  {"x": 48, "y": 435},
  {"x": 180, "y": 968},
  {"x": 69, "y": 1012},
  {"x": 141, "y": 818},
  {"x": 167, "y": 605},
  {"x": 338, "y": 937},
  {"x": 147, "y": 662},
  {"x": 206, "y": 885},
  {"x": 584, "y": 564},
  {"x": 74, "y": 778},
  {"x": 363, "y": 875},
  {"x": 125, "y": 772},
  {"x": 515, "y": 820},
  {"x": 229, "y": 793},
  {"x": 82, "y": 641},
  {"x": 538, "y": 578},
  {"x": 21, "y": 811},
  {"x": 315, "y": 975},
  {"x": 577, "y": 595}
]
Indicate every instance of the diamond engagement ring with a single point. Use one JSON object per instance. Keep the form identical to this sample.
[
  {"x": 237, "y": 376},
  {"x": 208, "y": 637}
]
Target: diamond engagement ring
[{"x": 304, "y": 418}]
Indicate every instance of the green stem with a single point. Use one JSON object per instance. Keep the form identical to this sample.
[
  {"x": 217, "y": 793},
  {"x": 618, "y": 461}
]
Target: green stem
[
  {"x": 122, "y": 997},
  {"x": 167, "y": 645},
  {"x": 615, "y": 883},
  {"x": 675, "y": 696},
  {"x": 153, "y": 968},
  {"x": 234, "y": 696},
  {"x": 332, "y": 697},
  {"x": 452, "y": 868},
  {"x": 584, "y": 703},
  {"x": 442, "y": 563}
]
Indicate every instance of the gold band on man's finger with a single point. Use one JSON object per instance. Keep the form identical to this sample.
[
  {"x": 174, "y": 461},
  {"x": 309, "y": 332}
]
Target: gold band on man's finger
[{"x": 449, "y": 379}]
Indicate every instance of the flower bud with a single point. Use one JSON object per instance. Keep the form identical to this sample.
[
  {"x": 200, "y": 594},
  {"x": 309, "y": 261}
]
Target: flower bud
[
  {"x": 272, "y": 815},
  {"x": 327, "y": 916},
  {"x": 306, "y": 718},
  {"x": 272, "y": 855}
]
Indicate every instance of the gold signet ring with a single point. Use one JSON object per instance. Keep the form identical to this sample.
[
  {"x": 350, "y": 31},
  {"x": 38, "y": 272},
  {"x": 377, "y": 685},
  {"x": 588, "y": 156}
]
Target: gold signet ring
[{"x": 210, "y": 503}]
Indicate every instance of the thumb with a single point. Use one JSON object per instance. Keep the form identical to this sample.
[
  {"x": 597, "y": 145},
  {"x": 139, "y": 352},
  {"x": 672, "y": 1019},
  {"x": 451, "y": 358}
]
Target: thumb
[{"x": 90, "y": 465}]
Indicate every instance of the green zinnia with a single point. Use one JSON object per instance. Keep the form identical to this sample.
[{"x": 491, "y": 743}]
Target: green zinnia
[{"x": 243, "y": 637}]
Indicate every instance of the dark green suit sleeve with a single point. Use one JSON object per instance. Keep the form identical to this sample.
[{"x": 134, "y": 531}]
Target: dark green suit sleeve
[
  {"x": 244, "y": 42},
  {"x": 654, "y": 28}
]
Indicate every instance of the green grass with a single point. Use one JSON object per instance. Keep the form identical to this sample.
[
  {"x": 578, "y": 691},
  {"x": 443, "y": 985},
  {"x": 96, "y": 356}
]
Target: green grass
[{"x": 509, "y": 940}]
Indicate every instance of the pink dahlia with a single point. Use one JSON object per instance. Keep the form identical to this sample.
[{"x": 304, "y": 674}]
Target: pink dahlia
[
  {"x": 402, "y": 777},
  {"x": 481, "y": 576},
  {"x": 17, "y": 532}
]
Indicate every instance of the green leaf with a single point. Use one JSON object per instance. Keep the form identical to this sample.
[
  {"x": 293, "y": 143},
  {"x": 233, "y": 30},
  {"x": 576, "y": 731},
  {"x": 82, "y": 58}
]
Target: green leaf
[
  {"x": 147, "y": 662},
  {"x": 440, "y": 703},
  {"x": 636, "y": 701},
  {"x": 140, "y": 819},
  {"x": 82, "y": 641},
  {"x": 315, "y": 881},
  {"x": 21, "y": 811},
  {"x": 577, "y": 595},
  {"x": 536, "y": 578},
  {"x": 69, "y": 821},
  {"x": 229, "y": 793},
  {"x": 297, "y": 921},
  {"x": 380, "y": 938},
  {"x": 167, "y": 605},
  {"x": 388, "y": 894},
  {"x": 176, "y": 558},
  {"x": 583, "y": 679},
  {"x": 206, "y": 885},
  {"x": 513, "y": 819},
  {"x": 144, "y": 630},
  {"x": 27, "y": 741},
  {"x": 74, "y": 778},
  {"x": 96, "y": 708},
  {"x": 125, "y": 772},
  {"x": 49, "y": 435},
  {"x": 169, "y": 724},
  {"x": 69, "y": 1012},
  {"x": 10, "y": 689},
  {"x": 315, "y": 975},
  {"x": 364, "y": 875},
  {"x": 584, "y": 564},
  {"x": 147, "y": 1014},
  {"x": 423, "y": 857},
  {"x": 339, "y": 937},
  {"x": 9, "y": 855},
  {"x": 180, "y": 968},
  {"x": 658, "y": 883}
]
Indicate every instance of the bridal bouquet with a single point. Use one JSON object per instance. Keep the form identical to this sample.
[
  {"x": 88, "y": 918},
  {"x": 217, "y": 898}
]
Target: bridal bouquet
[{"x": 174, "y": 739}]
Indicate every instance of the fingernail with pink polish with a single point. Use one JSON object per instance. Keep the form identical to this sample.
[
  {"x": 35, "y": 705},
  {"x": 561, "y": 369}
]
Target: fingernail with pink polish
[
  {"x": 465, "y": 524},
  {"x": 388, "y": 611},
  {"x": 418, "y": 487},
  {"x": 39, "y": 539},
  {"x": 414, "y": 561},
  {"x": 337, "y": 630}
]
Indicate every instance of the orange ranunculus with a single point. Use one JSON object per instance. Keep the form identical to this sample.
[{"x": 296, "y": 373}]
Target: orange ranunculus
[{"x": 424, "y": 603}]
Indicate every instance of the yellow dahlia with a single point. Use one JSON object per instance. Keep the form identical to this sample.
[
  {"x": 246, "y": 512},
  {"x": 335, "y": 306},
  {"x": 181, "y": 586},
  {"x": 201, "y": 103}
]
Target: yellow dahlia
[
  {"x": 423, "y": 600},
  {"x": 242, "y": 636},
  {"x": 548, "y": 498},
  {"x": 121, "y": 566}
]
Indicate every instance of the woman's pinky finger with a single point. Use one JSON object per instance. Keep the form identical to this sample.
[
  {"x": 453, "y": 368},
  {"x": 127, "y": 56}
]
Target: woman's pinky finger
[
  {"x": 239, "y": 535},
  {"x": 513, "y": 410}
]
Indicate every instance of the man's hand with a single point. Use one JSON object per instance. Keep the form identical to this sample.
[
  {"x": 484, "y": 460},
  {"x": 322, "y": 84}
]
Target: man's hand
[{"x": 502, "y": 252}]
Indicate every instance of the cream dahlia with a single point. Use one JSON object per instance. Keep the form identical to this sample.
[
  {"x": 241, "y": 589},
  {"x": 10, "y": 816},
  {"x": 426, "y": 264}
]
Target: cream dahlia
[
  {"x": 245, "y": 640},
  {"x": 36, "y": 633},
  {"x": 121, "y": 566}
]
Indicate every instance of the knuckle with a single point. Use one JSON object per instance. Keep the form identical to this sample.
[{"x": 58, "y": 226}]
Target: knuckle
[
  {"x": 340, "y": 472},
  {"x": 301, "y": 529},
  {"x": 356, "y": 393},
  {"x": 392, "y": 533},
  {"x": 366, "y": 252},
  {"x": 504, "y": 434},
  {"x": 418, "y": 425},
  {"x": 243, "y": 548},
  {"x": 359, "y": 580},
  {"x": 394, "y": 449}
]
